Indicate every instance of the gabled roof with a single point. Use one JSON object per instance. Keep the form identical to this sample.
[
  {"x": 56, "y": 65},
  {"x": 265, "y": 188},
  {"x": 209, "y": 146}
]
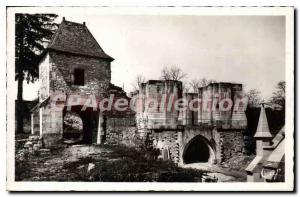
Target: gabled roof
[
  {"x": 263, "y": 130},
  {"x": 75, "y": 38}
]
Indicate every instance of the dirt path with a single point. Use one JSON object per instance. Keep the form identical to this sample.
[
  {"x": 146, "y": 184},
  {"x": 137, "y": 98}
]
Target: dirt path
[{"x": 223, "y": 175}]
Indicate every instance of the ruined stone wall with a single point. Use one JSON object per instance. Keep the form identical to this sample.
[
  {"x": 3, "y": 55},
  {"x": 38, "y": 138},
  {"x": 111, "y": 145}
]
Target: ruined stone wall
[
  {"x": 172, "y": 132},
  {"x": 168, "y": 143},
  {"x": 121, "y": 130},
  {"x": 224, "y": 144},
  {"x": 230, "y": 143},
  {"x": 157, "y": 99},
  {"x": 216, "y": 101},
  {"x": 238, "y": 119},
  {"x": 189, "y": 116}
]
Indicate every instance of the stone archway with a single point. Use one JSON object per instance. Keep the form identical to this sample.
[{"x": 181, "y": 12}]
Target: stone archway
[
  {"x": 198, "y": 150},
  {"x": 77, "y": 125}
]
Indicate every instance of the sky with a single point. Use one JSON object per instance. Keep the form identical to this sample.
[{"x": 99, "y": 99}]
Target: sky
[{"x": 242, "y": 49}]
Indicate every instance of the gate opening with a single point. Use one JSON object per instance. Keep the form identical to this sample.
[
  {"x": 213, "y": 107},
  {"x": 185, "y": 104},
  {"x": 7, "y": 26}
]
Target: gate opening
[
  {"x": 197, "y": 151},
  {"x": 77, "y": 127}
]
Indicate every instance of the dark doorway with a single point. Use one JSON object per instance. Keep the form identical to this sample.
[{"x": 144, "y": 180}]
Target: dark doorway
[
  {"x": 196, "y": 151},
  {"x": 78, "y": 129}
]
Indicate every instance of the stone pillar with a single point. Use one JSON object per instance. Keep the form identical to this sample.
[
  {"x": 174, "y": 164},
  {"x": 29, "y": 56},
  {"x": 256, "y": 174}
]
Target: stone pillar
[
  {"x": 52, "y": 127},
  {"x": 32, "y": 123},
  {"x": 41, "y": 122},
  {"x": 179, "y": 147},
  {"x": 100, "y": 131}
]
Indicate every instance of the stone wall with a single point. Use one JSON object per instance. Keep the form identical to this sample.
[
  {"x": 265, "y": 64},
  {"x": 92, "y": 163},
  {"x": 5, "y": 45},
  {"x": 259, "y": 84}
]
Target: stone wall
[
  {"x": 223, "y": 144},
  {"x": 230, "y": 143},
  {"x": 51, "y": 127},
  {"x": 156, "y": 100},
  {"x": 58, "y": 77},
  {"x": 207, "y": 133},
  {"x": 97, "y": 74},
  {"x": 35, "y": 122},
  {"x": 168, "y": 143},
  {"x": 121, "y": 130},
  {"x": 215, "y": 109}
]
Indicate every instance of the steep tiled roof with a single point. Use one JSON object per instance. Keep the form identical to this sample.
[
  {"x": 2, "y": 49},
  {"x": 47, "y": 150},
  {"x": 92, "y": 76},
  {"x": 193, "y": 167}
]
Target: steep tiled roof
[{"x": 75, "y": 38}]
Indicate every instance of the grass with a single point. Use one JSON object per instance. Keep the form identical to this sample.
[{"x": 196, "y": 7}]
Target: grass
[
  {"x": 131, "y": 165},
  {"x": 117, "y": 164}
]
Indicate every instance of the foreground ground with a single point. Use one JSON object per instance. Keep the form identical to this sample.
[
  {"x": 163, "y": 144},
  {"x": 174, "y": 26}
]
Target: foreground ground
[
  {"x": 99, "y": 163},
  {"x": 112, "y": 164}
]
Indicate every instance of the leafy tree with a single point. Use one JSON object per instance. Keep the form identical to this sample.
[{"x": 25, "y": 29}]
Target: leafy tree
[
  {"x": 278, "y": 98},
  {"x": 33, "y": 31}
]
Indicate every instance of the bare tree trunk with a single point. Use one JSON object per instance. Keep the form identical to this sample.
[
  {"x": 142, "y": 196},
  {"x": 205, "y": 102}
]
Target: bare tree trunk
[{"x": 19, "y": 106}]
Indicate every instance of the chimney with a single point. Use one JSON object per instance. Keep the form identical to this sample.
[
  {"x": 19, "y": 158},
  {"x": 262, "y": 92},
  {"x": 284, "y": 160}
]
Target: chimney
[
  {"x": 64, "y": 18},
  {"x": 84, "y": 23}
]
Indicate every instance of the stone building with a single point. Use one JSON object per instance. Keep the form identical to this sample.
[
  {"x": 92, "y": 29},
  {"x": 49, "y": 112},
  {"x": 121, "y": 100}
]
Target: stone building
[
  {"x": 75, "y": 69},
  {"x": 185, "y": 135},
  {"x": 74, "y": 64}
]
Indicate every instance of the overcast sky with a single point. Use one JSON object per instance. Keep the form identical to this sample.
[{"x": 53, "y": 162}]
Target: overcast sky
[{"x": 243, "y": 49}]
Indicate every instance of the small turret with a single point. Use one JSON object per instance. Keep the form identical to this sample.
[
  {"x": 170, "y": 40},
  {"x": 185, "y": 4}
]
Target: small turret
[{"x": 263, "y": 135}]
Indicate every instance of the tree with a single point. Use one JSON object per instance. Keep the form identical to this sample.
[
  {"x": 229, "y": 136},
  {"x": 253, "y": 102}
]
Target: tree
[
  {"x": 139, "y": 79},
  {"x": 185, "y": 87},
  {"x": 254, "y": 98},
  {"x": 195, "y": 84},
  {"x": 198, "y": 83},
  {"x": 211, "y": 81},
  {"x": 172, "y": 73},
  {"x": 203, "y": 82},
  {"x": 278, "y": 98},
  {"x": 33, "y": 31}
]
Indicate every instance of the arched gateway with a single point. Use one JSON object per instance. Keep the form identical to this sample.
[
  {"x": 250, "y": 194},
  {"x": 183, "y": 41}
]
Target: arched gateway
[{"x": 198, "y": 150}]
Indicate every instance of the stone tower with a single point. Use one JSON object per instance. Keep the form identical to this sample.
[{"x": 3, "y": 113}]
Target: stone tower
[{"x": 74, "y": 64}]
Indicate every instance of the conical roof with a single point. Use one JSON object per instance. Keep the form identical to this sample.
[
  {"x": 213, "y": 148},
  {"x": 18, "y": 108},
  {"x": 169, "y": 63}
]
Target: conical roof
[{"x": 263, "y": 130}]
